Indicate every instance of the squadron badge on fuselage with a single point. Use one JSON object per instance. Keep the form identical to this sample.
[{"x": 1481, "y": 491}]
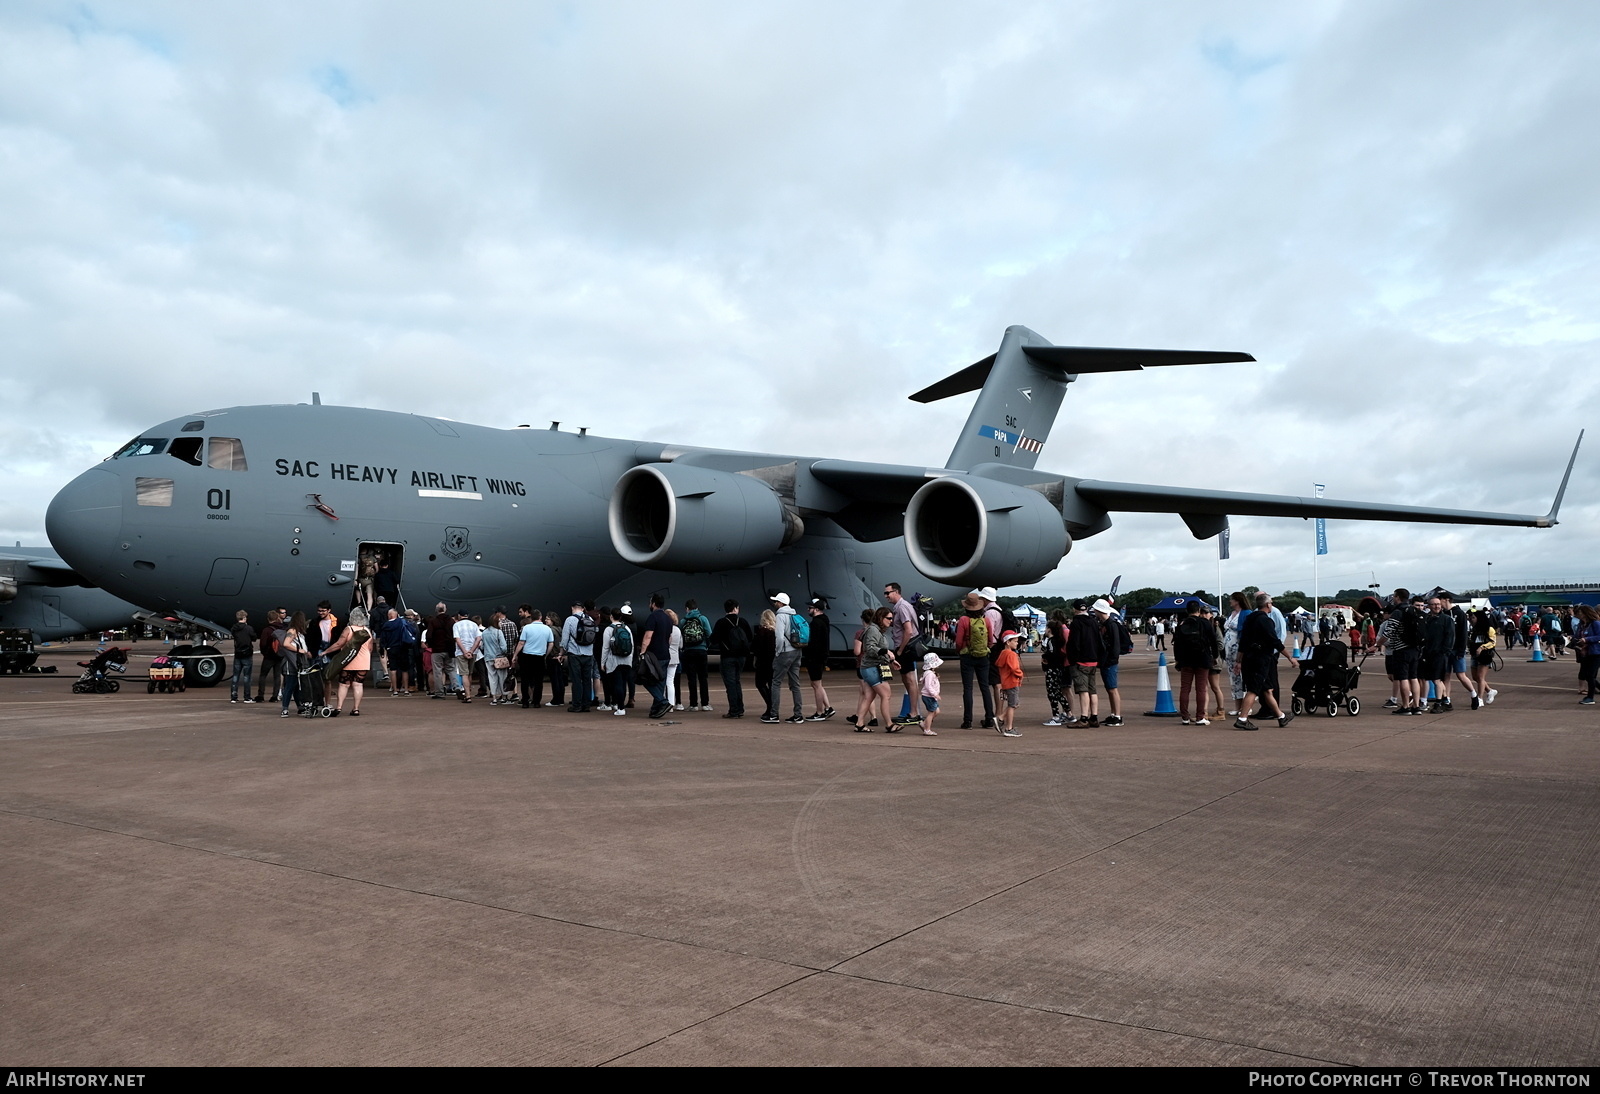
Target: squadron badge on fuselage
[{"x": 457, "y": 542}]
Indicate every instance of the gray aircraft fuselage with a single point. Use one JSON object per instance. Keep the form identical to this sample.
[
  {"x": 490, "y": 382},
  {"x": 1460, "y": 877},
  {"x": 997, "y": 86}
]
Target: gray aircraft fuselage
[
  {"x": 484, "y": 518},
  {"x": 254, "y": 507}
]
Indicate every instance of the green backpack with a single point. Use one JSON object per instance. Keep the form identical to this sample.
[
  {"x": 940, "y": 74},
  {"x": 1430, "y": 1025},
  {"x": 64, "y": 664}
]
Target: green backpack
[{"x": 978, "y": 636}]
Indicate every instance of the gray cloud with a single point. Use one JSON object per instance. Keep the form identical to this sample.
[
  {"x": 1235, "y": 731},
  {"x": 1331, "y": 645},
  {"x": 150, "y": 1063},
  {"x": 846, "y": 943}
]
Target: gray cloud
[{"x": 732, "y": 225}]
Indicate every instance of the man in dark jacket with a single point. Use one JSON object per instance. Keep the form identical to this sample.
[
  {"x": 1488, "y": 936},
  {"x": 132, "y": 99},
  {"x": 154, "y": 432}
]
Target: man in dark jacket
[
  {"x": 733, "y": 637},
  {"x": 244, "y": 646},
  {"x": 1085, "y": 650},
  {"x": 1438, "y": 640},
  {"x": 1259, "y": 650},
  {"x": 1195, "y": 647},
  {"x": 270, "y": 682},
  {"x": 442, "y": 645}
]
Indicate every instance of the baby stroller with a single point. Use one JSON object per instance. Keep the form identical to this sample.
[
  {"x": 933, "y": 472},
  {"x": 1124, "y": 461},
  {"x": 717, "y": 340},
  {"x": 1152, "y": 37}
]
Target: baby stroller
[
  {"x": 97, "y": 672},
  {"x": 313, "y": 696},
  {"x": 1326, "y": 681}
]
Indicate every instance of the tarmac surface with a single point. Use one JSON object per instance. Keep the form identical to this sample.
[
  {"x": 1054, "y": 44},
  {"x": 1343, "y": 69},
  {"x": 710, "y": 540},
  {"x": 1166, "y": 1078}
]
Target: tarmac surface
[{"x": 189, "y": 882}]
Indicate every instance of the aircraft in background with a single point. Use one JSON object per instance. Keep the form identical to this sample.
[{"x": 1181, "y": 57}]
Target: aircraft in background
[
  {"x": 41, "y": 593},
  {"x": 252, "y": 507}
]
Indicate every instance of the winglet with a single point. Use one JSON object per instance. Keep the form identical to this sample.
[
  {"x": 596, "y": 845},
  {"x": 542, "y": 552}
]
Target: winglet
[{"x": 1549, "y": 520}]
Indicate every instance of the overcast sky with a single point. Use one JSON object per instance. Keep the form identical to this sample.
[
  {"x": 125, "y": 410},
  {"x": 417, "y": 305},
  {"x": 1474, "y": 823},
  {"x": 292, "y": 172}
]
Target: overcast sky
[{"x": 764, "y": 225}]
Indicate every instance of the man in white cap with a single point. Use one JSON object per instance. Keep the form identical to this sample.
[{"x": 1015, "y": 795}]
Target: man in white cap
[
  {"x": 790, "y": 640},
  {"x": 1113, "y": 633}
]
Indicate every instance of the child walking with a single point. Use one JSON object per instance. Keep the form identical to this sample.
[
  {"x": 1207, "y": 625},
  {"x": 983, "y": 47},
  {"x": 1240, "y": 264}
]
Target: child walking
[
  {"x": 1010, "y": 666},
  {"x": 930, "y": 691}
]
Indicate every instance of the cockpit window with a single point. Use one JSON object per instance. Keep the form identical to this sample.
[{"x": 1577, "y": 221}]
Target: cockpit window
[
  {"x": 192, "y": 427},
  {"x": 187, "y": 449},
  {"x": 226, "y": 454},
  {"x": 152, "y": 491},
  {"x": 141, "y": 446}
]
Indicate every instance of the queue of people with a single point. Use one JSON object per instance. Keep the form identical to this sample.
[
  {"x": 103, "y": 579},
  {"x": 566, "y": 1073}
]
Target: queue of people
[{"x": 596, "y": 658}]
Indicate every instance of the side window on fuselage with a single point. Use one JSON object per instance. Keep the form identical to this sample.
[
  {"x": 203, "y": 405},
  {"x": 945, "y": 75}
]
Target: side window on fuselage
[
  {"x": 152, "y": 491},
  {"x": 226, "y": 454}
]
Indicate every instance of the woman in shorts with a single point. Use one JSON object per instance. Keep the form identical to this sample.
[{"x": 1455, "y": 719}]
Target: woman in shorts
[
  {"x": 356, "y": 644},
  {"x": 877, "y": 667}
]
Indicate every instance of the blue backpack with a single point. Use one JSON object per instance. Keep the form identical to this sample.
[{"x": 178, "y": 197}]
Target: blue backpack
[{"x": 799, "y": 631}]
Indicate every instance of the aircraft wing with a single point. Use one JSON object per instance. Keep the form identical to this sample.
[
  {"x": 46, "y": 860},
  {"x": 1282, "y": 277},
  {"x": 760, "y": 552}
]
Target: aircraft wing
[
  {"x": 33, "y": 569},
  {"x": 1196, "y": 505},
  {"x": 1130, "y": 497}
]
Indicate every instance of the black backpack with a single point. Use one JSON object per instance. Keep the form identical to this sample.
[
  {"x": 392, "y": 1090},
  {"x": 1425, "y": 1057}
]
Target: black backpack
[
  {"x": 737, "y": 644},
  {"x": 1190, "y": 637},
  {"x": 1411, "y": 626},
  {"x": 587, "y": 631},
  {"x": 694, "y": 630}
]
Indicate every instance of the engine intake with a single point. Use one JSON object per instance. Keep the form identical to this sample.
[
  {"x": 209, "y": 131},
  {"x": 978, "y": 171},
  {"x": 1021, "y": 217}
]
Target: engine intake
[
  {"x": 966, "y": 530},
  {"x": 668, "y": 516}
]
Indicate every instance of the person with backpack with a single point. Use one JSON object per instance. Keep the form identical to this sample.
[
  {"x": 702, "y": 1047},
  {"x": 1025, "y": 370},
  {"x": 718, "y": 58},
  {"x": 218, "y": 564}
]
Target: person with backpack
[
  {"x": 578, "y": 636},
  {"x": 696, "y": 630},
  {"x": 733, "y": 638},
  {"x": 270, "y": 682},
  {"x": 616, "y": 663},
  {"x": 1400, "y": 639},
  {"x": 397, "y": 638},
  {"x": 1195, "y": 648},
  {"x": 791, "y": 633},
  {"x": 976, "y": 631}
]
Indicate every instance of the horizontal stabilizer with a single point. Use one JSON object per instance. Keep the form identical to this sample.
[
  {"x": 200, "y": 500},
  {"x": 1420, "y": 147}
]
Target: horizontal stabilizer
[
  {"x": 968, "y": 379},
  {"x": 1074, "y": 361}
]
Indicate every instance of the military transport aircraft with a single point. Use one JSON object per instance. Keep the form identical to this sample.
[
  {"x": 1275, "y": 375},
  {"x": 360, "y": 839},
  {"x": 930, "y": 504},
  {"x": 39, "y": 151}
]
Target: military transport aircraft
[
  {"x": 41, "y": 593},
  {"x": 251, "y": 507}
]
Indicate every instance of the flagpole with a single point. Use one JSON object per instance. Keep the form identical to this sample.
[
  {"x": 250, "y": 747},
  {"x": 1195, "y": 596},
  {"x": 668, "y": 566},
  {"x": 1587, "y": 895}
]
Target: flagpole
[{"x": 1316, "y": 561}]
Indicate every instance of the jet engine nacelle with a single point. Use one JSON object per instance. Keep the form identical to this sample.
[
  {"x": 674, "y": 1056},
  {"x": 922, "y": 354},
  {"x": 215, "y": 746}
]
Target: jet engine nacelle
[
  {"x": 8, "y": 589},
  {"x": 968, "y": 530},
  {"x": 668, "y": 516}
]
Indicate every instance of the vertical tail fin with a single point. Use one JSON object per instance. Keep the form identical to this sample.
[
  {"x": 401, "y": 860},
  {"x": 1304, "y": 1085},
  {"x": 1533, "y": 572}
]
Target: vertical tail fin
[{"x": 1023, "y": 384}]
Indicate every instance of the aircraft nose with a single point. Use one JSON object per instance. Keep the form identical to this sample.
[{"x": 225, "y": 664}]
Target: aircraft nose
[{"x": 84, "y": 520}]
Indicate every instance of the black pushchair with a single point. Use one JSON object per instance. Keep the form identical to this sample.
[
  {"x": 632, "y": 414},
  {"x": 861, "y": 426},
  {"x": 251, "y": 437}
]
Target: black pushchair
[
  {"x": 1327, "y": 681},
  {"x": 313, "y": 692},
  {"x": 97, "y": 672}
]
